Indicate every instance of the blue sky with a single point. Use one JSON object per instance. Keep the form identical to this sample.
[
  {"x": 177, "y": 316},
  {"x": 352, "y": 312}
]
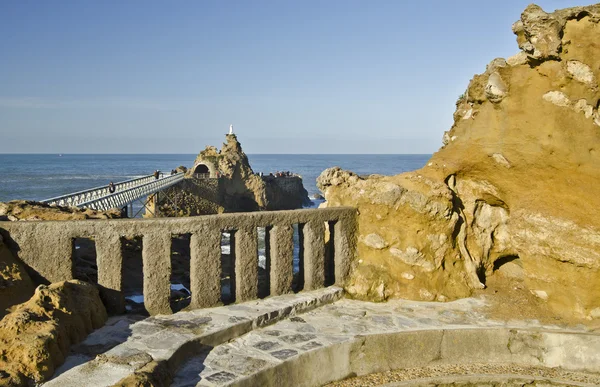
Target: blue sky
[{"x": 339, "y": 76}]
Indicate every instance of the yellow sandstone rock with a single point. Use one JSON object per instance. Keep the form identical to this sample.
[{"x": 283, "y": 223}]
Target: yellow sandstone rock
[
  {"x": 35, "y": 338},
  {"x": 517, "y": 180}
]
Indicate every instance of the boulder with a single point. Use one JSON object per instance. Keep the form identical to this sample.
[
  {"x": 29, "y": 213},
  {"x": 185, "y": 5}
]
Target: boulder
[
  {"x": 517, "y": 177},
  {"x": 35, "y": 338}
]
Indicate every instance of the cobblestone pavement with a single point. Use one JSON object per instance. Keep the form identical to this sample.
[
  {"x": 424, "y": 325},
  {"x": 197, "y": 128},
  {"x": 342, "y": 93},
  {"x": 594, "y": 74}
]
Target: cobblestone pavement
[
  {"x": 125, "y": 344},
  {"x": 240, "y": 344},
  {"x": 344, "y": 320}
]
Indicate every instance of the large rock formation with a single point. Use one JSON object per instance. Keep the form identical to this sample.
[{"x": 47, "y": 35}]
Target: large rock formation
[
  {"x": 232, "y": 187},
  {"x": 517, "y": 182},
  {"x": 35, "y": 338},
  {"x": 242, "y": 190}
]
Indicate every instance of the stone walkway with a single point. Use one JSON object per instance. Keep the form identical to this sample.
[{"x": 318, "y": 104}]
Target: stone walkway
[
  {"x": 126, "y": 343},
  {"x": 313, "y": 338},
  {"x": 254, "y": 358}
]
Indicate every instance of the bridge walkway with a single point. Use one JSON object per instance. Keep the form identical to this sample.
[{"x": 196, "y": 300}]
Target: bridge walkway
[{"x": 125, "y": 193}]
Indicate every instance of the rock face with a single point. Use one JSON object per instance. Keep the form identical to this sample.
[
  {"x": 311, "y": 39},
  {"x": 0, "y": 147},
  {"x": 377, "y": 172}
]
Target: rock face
[
  {"x": 517, "y": 180},
  {"x": 223, "y": 181},
  {"x": 243, "y": 190},
  {"x": 30, "y": 210},
  {"x": 286, "y": 193},
  {"x": 15, "y": 285},
  {"x": 35, "y": 338}
]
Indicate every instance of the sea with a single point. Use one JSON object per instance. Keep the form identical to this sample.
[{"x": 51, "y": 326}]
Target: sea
[{"x": 43, "y": 176}]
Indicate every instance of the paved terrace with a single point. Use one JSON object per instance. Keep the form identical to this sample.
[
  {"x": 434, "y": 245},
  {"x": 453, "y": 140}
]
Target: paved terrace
[{"x": 313, "y": 338}]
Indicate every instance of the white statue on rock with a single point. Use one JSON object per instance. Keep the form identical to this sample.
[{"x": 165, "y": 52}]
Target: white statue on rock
[{"x": 231, "y": 129}]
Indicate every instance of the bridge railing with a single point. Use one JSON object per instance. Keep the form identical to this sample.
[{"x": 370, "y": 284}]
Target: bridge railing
[
  {"x": 72, "y": 199},
  {"x": 47, "y": 247},
  {"x": 125, "y": 192},
  {"x": 119, "y": 199}
]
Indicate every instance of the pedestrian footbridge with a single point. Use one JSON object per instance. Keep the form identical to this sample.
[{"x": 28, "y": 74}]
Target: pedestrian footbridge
[{"x": 123, "y": 193}]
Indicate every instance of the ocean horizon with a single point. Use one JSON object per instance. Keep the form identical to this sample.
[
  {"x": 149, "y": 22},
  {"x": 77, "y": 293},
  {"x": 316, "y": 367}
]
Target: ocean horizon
[{"x": 39, "y": 176}]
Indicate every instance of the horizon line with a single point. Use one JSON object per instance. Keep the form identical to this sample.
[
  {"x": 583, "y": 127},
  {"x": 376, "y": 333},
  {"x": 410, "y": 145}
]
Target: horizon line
[{"x": 270, "y": 154}]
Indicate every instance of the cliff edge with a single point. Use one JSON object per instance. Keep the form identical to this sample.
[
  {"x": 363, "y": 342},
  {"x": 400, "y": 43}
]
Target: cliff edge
[{"x": 513, "y": 195}]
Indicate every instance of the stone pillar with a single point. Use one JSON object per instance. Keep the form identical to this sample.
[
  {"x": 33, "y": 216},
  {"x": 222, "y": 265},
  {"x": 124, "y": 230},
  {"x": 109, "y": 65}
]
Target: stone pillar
[
  {"x": 109, "y": 259},
  {"x": 246, "y": 264},
  {"x": 314, "y": 255},
  {"x": 205, "y": 268},
  {"x": 156, "y": 254},
  {"x": 60, "y": 269},
  {"x": 282, "y": 256},
  {"x": 344, "y": 248}
]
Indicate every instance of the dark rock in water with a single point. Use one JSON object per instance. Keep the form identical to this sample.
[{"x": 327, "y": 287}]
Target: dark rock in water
[{"x": 318, "y": 197}]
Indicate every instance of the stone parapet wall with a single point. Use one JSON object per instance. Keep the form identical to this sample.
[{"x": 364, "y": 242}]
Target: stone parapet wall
[{"x": 46, "y": 248}]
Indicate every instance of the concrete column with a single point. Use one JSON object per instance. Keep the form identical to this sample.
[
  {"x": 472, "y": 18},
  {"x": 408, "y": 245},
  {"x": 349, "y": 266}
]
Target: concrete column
[
  {"x": 314, "y": 255},
  {"x": 344, "y": 248},
  {"x": 205, "y": 268},
  {"x": 282, "y": 256},
  {"x": 246, "y": 264},
  {"x": 156, "y": 254},
  {"x": 109, "y": 259}
]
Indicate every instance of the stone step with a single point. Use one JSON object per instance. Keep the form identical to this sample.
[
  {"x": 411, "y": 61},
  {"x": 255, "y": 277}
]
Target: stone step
[{"x": 127, "y": 344}]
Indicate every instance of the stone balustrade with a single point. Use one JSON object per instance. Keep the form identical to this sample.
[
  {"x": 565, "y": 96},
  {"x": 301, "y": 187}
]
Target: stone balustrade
[{"x": 46, "y": 247}]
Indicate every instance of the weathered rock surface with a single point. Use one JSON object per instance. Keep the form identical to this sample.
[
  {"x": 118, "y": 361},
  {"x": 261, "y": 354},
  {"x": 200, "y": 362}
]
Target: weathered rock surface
[
  {"x": 517, "y": 179},
  {"x": 15, "y": 285},
  {"x": 243, "y": 189},
  {"x": 35, "y": 338},
  {"x": 237, "y": 188},
  {"x": 286, "y": 193},
  {"x": 31, "y": 210}
]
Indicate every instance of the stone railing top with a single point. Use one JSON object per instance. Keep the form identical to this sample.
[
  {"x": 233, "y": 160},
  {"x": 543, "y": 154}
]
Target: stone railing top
[{"x": 226, "y": 221}]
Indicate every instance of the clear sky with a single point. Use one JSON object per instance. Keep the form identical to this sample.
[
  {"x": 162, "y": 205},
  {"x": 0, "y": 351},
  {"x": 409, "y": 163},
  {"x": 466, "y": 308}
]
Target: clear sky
[{"x": 335, "y": 76}]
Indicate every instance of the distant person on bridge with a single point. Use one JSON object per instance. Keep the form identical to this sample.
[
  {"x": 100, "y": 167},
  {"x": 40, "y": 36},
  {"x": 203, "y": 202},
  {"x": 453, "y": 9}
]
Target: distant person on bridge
[
  {"x": 156, "y": 174},
  {"x": 111, "y": 187}
]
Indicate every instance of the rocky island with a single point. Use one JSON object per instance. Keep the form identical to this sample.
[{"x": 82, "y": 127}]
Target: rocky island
[{"x": 223, "y": 181}]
